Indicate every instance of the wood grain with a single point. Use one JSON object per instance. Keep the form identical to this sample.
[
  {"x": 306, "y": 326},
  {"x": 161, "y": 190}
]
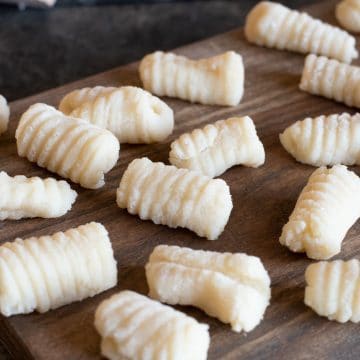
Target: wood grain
[{"x": 263, "y": 199}]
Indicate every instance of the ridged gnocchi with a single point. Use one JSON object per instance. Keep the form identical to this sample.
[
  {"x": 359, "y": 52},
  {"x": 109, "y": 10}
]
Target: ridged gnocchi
[
  {"x": 135, "y": 327},
  {"x": 132, "y": 114},
  {"x": 217, "y": 147},
  {"x": 235, "y": 288},
  {"x": 47, "y": 272},
  {"x": 348, "y": 15},
  {"x": 175, "y": 197},
  {"x": 70, "y": 147},
  {"x": 324, "y": 140},
  {"x": 276, "y": 26},
  {"x": 333, "y": 289},
  {"x": 331, "y": 79},
  {"x": 4, "y": 114},
  {"x": 23, "y": 197},
  {"x": 218, "y": 80},
  {"x": 327, "y": 207}
]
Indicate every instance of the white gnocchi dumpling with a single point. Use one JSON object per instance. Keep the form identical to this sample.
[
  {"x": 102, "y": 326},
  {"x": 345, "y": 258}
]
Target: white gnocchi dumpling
[
  {"x": 4, "y": 114},
  {"x": 348, "y": 15},
  {"x": 218, "y": 80},
  {"x": 217, "y": 147},
  {"x": 235, "y": 288},
  {"x": 276, "y": 26},
  {"x": 132, "y": 114},
  {"x": 70, "y": 147},
  {"x": 331, "y": 79},
  {"x": 175, "y": 197},
  {"x": 326, "y": 209},
  {"x": 47, "y": 272},
  {"x": 333, "y": 289},
  {"x": 23, "y": 197},
  {"x": 324, "y": 140},
  {"x": 132, "y": 326}
]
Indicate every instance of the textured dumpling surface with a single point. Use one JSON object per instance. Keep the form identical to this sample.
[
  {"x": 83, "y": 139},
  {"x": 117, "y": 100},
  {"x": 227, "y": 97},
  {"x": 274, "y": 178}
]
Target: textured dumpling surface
[
  {"x": 276, "y": 26},
  {"x": 348, "y": 15},
  {"x": 70, "y": 147},
  {"x": 175, "y": 197},
  {"x": 327, "y": 207},
  {"x": 333, "y": 289},
  {"x": 23, "y": 197},
  {"x": 132, "y": 326},
  {"x": 4, "y": 114},
  {"x": 331, "y": 79},
  {"x": 324, "y": 140},
  {"x": 218, "y": 80},
  {"x": 234, "y": 288},
  {"x": 217, "y": 147},
  {"x": 132, "y": 114},
  {"x": 47, "y": 272}
]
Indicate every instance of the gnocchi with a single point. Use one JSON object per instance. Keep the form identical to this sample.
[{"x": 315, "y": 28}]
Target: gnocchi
[
  {"x": 175, "y": 197},
  {"x": 217, "y": 147},
  {"x": 218, "y": 80},
  {"x": 4, "y": 114},
  {"x": 234, "y": 288},
  {"x": 327, "y": 207},
  {"x": 348, "y": 15},
  {"x": 133, "y": 326}
]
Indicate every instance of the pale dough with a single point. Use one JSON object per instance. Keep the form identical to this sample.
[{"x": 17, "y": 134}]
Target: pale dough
[
  {"x": 4, "y": 114},
  {"x": 348, "y": 15}
]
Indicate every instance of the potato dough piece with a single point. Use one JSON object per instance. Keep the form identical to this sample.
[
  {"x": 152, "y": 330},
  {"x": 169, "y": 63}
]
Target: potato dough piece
[
  {"x": 175, "y": 197},
  {"x": 23, "y": 197},
  {"x": 70, "y": 147},
  {"x": 4, "y": 114},
  {"x": 132, "y": 114},
  {"x": 276, "y": 26},
  {"x": 217, "y": 147},
  {"x": 218, "y": 80},
  {"x": 327, "y": 207},
  {"x": 331, "y": 79},
  {"x": 135, "y": 327},
  {"x": 51, "y": 271},
  {"x": 234, "y": 288},
  {"x": 324, "y": 140},
  {"x": 333, "y": 289},
  {"x": 348, "y": 15}
]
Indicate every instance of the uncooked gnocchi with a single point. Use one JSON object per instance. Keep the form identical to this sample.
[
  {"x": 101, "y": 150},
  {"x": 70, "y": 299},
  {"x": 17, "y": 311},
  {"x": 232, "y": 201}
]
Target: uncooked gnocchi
[
  {"x": 175, "y": 197},
  {"x": 348, "y": 15},
  {"x": 324, "y": 140},
  {"x": 218, "y": 80},
  {"x": 217, "y": 147},
  {"x": 331, "y": 79},
  {"x": 234, "y": 288},
  {"x": 70, "y": 147},
  {"x": 132, "y": 114},
  {"x": 4, "y": 114},
  {"x": 333, "y": 289},
  {"x": 47, "y": 272},
  {"x": 327, "y": 207},
  {"x": 276, "y": 26},
  {"x": 135, "y": 327},
  {"x": 23, "y": 197}
]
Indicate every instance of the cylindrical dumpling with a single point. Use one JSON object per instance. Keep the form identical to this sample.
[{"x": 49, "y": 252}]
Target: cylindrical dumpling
[
  {"x": 331, "y": 79},
  {"x": 348, "y": 15},
  {"x": 326, "y": 209},
  {"x": 70, "y": 147},
  {"x": 135, "y": 327},
  {"x": 4, "y": 114},
  {"x": 175, "y": 197},
  {"x": 23, "y": 197},
  {"x": 51, "y": 271},
  {"x": 234, "y": 288},
  {"x": 218, "y": 80},
  {"x": 217, "y": 147},
  {"x": 132, "y": 114},
  {"x": 276, "y": 26},
  {"x": 324, "y": 140}
]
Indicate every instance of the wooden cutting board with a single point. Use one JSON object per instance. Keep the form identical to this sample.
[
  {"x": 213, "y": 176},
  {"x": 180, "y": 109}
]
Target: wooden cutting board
[{"x": 263, "y": 199}]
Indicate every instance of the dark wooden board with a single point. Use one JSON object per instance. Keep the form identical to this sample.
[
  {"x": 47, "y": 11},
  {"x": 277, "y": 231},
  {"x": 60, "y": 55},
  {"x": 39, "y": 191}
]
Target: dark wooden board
[{"x": 263, "y": 199}]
